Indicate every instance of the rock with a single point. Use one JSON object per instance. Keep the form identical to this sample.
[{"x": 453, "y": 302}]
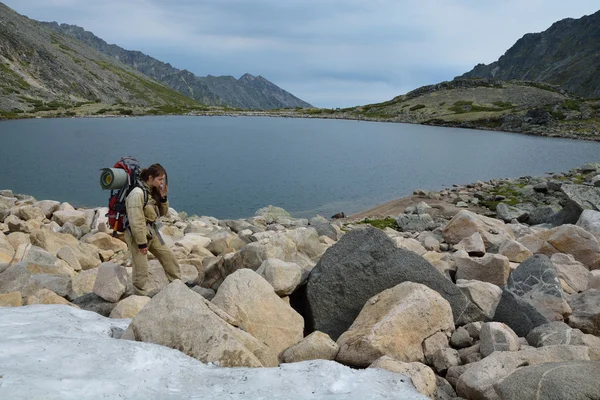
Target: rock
[
  {"x": 360, "y": 265},
  {"x": 176, "y": 311},
  {"x": 83, "y": 283},
  {"x": 28, "y": 278},
  {"x": 409, "y": 244},
  {"x": 272, "y": 214},
  {"x": 473, "y": 245},
  {"x": 70, "y": 229},
  {"x": 558, "y": 380},
  {"x": 568, "y": 239},
  {"x": 68, "y": 255},
  {"x": 6, "y": 249},
  {"x": 316, "y": 346},
  {"x": 95, "y": 303},
  {"x": 284, "y": 277},
  {"x": 11, "y": 299},
  {"x": 129, "y": 307},
  {"x": 47, "y": 206},
  {"x": 572, "y": 273},
  {"x": 484, "y": 295},
  {"x": 535, "y": 281},
  {"x": 208, "y": 294},
  {"x": 470, "y": 354},
  {"x": 415, "y": 222},
  {"x": 104, "y": 241},
  {"x": 586, "y": 197},
  {"x": 422, "y": 377},
  {"x": 460, "y": 338},
  {"x": 443, "y": 359},
  {"x": 590, "y": 221},
  {"x": 466, "y": 223},
  {"x": 395, "y": 323},
  {"x": 496, "y": 336},
  {"x": 558, "y": 332},
  {"x": 541, "y": 215},
  {"x": 45, "y": 296},
  {"x": 111, "y": 282},
  {"x": 77, "y": 218},
  {"x": 251, "y": 300},
  {"x": 192, "y": 243},
  {"x": 507, "y": 213},
  {"x": 492, "y": 268},
  {"x": 478, "y": 380},
  {"x": 86, "y": 254},
  {"x": 518, "y": 314},
  {"x": 435, "y": 342},
  {"x": 586, "y": 311},
  {"x": 307, "y": 242},
  {"x": 514, "y": 251},
  {"x": 33, "y": 254},
  {"x": 16, "y": 239}
]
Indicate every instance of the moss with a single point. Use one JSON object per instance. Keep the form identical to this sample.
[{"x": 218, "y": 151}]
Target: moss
[{"x": 381, "y": 223}]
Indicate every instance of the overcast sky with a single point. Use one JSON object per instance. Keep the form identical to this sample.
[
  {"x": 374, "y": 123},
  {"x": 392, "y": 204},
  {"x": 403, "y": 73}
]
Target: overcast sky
[{"x": 330, "y": 53}]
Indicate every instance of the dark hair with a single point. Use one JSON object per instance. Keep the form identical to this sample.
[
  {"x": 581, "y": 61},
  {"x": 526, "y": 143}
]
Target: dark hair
[{"x": 155, "y": 170}]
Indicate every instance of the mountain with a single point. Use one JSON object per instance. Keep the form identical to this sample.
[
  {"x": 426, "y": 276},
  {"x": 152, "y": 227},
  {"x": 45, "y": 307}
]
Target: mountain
[
  {"x": 42, "y": 70},
  {"x": 248, "y": 92},
  {"x": 566, "y": 54}
]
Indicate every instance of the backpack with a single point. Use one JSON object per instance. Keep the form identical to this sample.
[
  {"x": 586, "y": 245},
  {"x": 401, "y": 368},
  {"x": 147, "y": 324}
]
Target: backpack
[{"x": 117, "y": 212}]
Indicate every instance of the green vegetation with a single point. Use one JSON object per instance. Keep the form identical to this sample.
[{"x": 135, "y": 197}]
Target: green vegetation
[
  {"x": 539, "y": 85},
  {"x": 572, "y": 104},
  {"x": 381, "y": 223},
  {"x": 317, "y": 111},
  {"x": 464, "y": 106},
  {"x": 417, "y": 107},
  {"x": 12, "y": 75}
]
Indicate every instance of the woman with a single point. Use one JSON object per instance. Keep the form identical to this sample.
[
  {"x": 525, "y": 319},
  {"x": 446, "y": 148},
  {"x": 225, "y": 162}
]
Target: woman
[{"x": 143, "y": 209}]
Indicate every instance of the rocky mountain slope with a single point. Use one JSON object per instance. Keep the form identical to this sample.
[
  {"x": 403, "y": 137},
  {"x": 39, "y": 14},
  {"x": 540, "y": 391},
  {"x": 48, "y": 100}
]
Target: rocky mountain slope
[
  {"x": 248, "y": 92},
  {"x": 516, "y": 106},
  {"x": 565, "y": 54},
  {"x": 42, "y": 70}
]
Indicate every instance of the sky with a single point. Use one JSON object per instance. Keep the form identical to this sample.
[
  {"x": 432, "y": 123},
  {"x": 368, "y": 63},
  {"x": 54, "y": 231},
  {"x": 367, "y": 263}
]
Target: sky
[
  {"x": 330, "y": 53},
  {"x": 59, "y": 352}
]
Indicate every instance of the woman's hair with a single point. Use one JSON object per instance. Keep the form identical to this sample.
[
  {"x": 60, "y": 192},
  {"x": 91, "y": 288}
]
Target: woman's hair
[{"x": 155, "y": 170}]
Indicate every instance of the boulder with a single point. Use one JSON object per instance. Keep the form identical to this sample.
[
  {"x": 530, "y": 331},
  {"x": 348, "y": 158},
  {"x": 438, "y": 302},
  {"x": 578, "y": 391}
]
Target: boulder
[
  {"x": 496, "y": 336},
  {"x": 395, "y": 323},
  {"x": 508, "y": 213},
  {"x": 478, "y": 380},
  {"x": 272, "y": 214},
  {"x": 6, "y": 249},
  {"x": 27, "y": 278},
  {"x": 252, "y": 301},
  {"x": 568, "y": 239},
  {"x": 484, "y": 295},
  {"x": 111, "y": 282},
  {"x": 409, "y": 244},
  {"x": 586, "y": 311},
  {"x": 192, "y": 242},
  {"x": 316, "y": 346},
  {"x": 95, "y": 303},
  {"x": 573, "y": 275},
  {"x": 179, "y": 318},
  {"x": 422, "y": 377},
  {"x": 466, "y": 223},
  {"x": 514, "y": 251},
  {"x": 473, "y": 245},
  {"x": 11, "y": 299},
  {"x": 67, "y": 254},
  {"x": 461, "y": 338},
  {"x": 444, "y": 359},
  {"x": 492, "y": 268},
  {"x": 586, "y": 197},
  {"x": 590, "y": 221},
  {"x": 535, "y": 281},
  {"x": 77, "y": 218},
  {"x": 415, "y": 222},
  {"x": 129, "y": 307},
  {"x": 104, "y": 241},
  {"x": 284, "y": 277},
  {"x": 557, "y": 380},
  {"x": 47, "y": 206},
  {"x": 45, "y": 296},
  {"x": 542, "y": 215},
  {"x": 363, "y": 263},
  {"x": 17, "y": 238},
  {"x": 83, "y": 283},
  {"x": 558, "y": 332},
  {"x": 52, "y": 242},
  {"x": 518, "y": 314}
]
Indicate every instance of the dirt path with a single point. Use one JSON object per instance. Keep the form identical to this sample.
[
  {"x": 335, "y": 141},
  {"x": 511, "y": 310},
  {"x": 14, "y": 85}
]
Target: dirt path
[{"x": 442, "y": 207}]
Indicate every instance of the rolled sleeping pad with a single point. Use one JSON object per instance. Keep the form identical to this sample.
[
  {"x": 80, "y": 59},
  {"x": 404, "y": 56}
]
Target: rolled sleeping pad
[{"x": 113, "y": 178}]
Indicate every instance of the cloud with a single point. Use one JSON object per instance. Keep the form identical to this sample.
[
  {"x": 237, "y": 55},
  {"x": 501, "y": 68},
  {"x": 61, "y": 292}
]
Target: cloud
[{"x": 330, "y": 53}]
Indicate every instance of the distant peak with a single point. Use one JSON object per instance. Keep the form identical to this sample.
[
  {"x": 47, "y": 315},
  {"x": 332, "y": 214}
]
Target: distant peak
[{"x": 247, "y": 77}]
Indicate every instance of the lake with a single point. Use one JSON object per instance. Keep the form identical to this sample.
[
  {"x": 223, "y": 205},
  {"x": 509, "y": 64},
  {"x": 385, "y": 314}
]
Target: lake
[{"x": 228, "y": 167}]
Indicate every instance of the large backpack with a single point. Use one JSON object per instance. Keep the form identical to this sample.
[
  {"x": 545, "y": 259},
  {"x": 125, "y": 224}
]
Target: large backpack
[{"x": 117, "y": 212}]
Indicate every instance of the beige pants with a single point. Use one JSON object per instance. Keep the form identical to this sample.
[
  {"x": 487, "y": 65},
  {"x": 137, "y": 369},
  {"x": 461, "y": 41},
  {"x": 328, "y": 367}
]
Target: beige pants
[{"x": 139, "y": 262}]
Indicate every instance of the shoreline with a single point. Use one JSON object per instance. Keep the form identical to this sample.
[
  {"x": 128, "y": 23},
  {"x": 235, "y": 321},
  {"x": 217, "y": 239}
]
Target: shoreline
[{"x": 548, "y": 134}]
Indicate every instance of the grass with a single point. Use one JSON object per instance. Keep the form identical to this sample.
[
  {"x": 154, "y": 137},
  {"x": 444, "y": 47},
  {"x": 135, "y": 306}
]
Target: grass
[
  {"x": 388, "y": 222},
  {"x": 417, "y": 107}
]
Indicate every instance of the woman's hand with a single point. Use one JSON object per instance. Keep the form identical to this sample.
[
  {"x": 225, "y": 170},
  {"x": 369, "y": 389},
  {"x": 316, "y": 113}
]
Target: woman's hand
[{"x": 163, "y": 189}]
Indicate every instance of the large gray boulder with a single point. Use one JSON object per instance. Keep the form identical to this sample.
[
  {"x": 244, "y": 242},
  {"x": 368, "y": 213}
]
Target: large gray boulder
[
  {"x": 520, "y": 315},
  {"x": 586, "y": 197},
  {"x": 586, "y": 311},
  {"x": 28, "y": 278},
  {"x": 362, "y": 264},
  {"x": 535, "y": 281},
  {"x": 180, "y": 318},
  {"x": 568, "y": 380},
  {"x": 590, "y": 221}
]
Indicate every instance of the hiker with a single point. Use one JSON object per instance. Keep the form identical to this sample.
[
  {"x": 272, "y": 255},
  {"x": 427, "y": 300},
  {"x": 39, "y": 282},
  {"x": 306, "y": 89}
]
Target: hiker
[{"x": 142, "y": 234}]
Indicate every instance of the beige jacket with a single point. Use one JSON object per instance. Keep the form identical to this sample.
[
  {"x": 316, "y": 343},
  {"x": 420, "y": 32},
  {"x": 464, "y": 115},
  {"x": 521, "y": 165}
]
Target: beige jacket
[{"x": 140, "y": 216}]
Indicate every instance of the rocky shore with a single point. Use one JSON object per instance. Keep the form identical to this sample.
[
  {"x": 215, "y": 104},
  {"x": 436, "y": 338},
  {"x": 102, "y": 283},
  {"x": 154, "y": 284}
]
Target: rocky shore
[{"x": 484, "y": 291}]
